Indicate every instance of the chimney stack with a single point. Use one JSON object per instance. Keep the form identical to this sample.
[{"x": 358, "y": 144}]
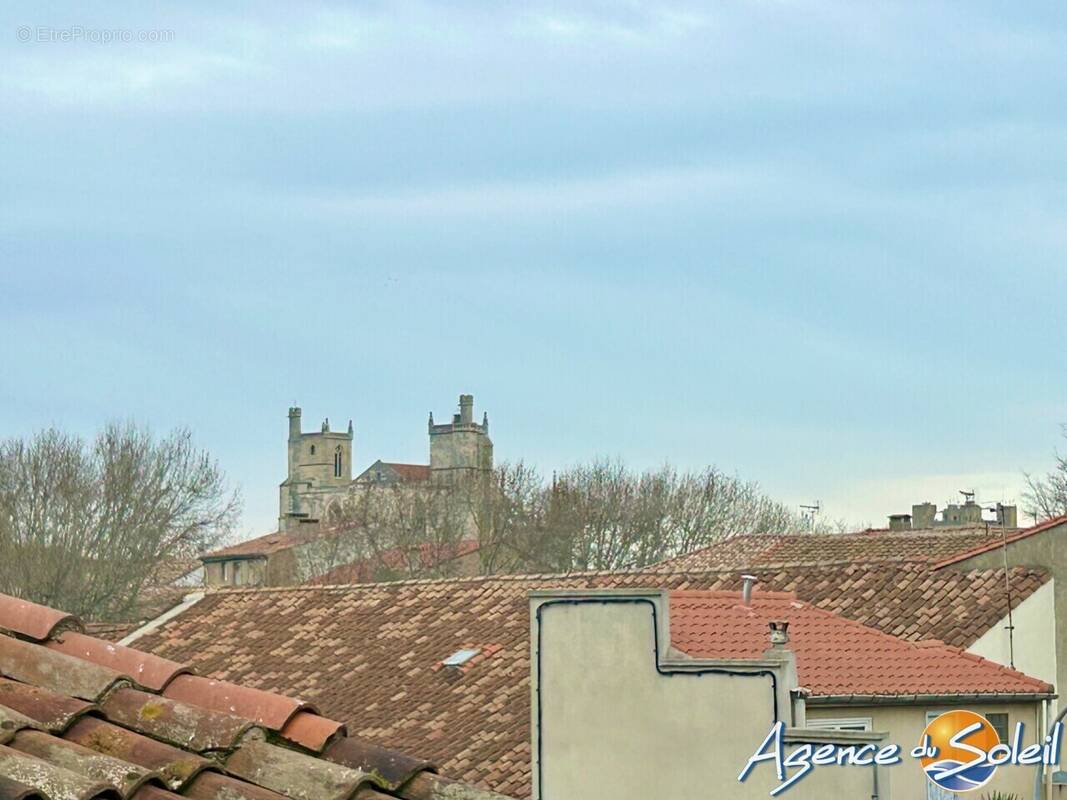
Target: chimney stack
[
  {"x": 900, "y": 522},
  {"x": 747, "y": 582},
  {"x": 779, "y": 634},
  {"x": 922, "y": 515},
  {"x": 1007, "y": 516}
]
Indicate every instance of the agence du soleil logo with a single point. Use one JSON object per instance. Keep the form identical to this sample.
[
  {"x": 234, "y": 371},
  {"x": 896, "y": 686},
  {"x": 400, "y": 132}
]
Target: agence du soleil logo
[{"x": 960, "y": 745}]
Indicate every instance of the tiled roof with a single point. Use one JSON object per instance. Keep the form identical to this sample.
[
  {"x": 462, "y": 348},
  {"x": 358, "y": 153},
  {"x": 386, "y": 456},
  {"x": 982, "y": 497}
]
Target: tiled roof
[
  {"x": 908, "y": 600},
  {"x": 429, "y": 556},
  {"x": 266, "y": 544},
  {"x": 82, "y": 718},
  {"x": 410, "y": 472},
  {"x": 928, "y": 545},
  {"x": 835, "y": 656},
  {"x": 371, "y": 655},
  {"x": 406, "y": 473}
]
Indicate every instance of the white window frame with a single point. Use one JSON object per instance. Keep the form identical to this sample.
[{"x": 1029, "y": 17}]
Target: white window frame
[{"x": 841, "y": 724}]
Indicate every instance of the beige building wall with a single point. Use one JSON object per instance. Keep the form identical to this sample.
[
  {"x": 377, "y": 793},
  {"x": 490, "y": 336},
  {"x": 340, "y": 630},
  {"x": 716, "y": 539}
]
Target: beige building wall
[
  {"x": 1032, "y": 640},
  {"x": 607, "y": 721},
  {"x": 1046, "y": 549},
  {"x": 904, "y": 724}
]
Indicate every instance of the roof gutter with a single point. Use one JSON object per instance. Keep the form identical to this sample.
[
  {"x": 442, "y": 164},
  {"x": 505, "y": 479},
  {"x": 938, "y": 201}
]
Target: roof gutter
[{"x": 911, "y": 699}]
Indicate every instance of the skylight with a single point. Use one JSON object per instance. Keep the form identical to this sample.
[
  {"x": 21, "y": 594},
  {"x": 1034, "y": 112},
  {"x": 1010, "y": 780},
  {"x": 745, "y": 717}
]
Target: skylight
[{"x": 460, "y": 657}]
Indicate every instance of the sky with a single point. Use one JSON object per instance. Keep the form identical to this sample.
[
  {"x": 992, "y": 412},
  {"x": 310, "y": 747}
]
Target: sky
[{"x": 818, "y": 245}]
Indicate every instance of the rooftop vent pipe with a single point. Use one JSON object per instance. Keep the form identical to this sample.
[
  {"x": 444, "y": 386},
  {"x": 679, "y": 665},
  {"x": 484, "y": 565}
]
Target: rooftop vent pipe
[{"x": 747, "y": 582}]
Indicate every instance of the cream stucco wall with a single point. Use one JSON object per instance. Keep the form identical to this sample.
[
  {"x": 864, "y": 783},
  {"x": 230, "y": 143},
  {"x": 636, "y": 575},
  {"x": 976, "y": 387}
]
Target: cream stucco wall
[
  {"x": 607, "y": 723},
  {"x": 904, "y": 726},
  {"x": 1034, "y": 635}
]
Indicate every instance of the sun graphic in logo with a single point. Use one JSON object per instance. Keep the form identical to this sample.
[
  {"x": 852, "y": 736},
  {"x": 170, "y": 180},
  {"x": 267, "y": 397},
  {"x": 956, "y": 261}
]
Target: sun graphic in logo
[{"x": 960, "y": 767}]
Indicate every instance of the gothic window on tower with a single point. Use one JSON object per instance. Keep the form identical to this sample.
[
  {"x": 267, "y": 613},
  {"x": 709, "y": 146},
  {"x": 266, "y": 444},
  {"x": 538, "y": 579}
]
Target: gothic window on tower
[
  {"x": 337, "y": 462},
  {"x": 312, "y": 449}
]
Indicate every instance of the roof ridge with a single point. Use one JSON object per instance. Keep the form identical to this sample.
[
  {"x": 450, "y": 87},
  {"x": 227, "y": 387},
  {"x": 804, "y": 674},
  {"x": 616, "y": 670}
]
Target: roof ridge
[{"x": 903, "y": 564}]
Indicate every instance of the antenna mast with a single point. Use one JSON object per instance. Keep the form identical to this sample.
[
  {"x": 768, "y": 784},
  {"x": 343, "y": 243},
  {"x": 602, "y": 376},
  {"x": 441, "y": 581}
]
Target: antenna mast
[{"x": 810, "y": 511}]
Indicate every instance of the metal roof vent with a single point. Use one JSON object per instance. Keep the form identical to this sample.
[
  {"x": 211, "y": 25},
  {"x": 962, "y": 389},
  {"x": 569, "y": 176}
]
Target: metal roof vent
[
  {"x": 779, "y": 633},
  {"x": 747, "y": 583},
  {"x": 460, "y": 657}
]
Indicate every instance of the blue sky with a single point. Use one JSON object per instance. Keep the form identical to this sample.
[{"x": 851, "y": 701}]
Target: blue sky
[{"x": 817, "y": 244}]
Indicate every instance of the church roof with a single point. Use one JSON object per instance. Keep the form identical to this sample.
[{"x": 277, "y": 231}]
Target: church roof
[
  {"x": 406, "y": 473},
  {"x": 263, "y": 545}
]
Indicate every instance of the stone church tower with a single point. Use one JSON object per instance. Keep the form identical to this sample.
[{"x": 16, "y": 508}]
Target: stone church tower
[
  {"x": 462, "y": 447},
  {"x": 320, "y": 465}
]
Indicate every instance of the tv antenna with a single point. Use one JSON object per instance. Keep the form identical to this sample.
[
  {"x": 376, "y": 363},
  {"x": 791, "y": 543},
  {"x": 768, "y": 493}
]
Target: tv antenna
[{"x": 810, "y": 511}]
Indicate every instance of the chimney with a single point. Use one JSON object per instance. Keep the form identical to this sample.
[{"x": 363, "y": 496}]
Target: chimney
[
  {"x": 747, "y": 583},
  {"x": 900, "y": 522},
  {"x": 466, "y": 409},
  {"x": 779, "y": 634},
  {"x": 1007, "y": 516},
  {"x": 922, "y": 515}
]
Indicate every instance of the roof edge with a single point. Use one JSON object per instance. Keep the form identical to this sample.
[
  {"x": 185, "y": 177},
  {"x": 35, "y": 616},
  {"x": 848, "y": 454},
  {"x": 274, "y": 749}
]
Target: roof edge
[
  {"x": 1010, "y": 538},
  {"x": 910, "y": 699}
]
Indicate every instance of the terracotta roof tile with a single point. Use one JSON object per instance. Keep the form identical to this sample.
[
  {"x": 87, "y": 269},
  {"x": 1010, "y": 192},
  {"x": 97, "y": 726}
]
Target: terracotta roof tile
[
  {"x": 32, "y": 620},
  {"x": 311, "y": 730},
  {"x": 266, "y": 708},
  {"x": 370, "y": 656},
  {"x": 835, "y": 656},
  {"x": 183, "y": 725},
  {"x": 175, "y": 765},
  {"x": 74, "y": 728},
  {"x": 51, "y": 780},
  {"x": 13, "y": 790},
  {"x": 39, "y": 666},
  {"x": 125, "y": 777},
  {"x": 12, "y": 723},
  {"x": 55, "y": 712},
  {"x": 396, "y": 769},
  {"x": 147, "y": 670},
  {"x": 150, "y": 792},
  {"x": 754, "y": 550}
]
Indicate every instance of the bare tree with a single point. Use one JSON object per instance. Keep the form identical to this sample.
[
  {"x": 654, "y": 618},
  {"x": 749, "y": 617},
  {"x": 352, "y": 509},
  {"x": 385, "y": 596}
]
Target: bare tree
[
  {"x": 595, "y": 516},
  {"x": 1046, "y": 496},
  {"x": 504, "y": 512},
  {"x": 386, "y": 532},
  {"x": 85, "y": 526},
  {"x": 602, "y": 516}
]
